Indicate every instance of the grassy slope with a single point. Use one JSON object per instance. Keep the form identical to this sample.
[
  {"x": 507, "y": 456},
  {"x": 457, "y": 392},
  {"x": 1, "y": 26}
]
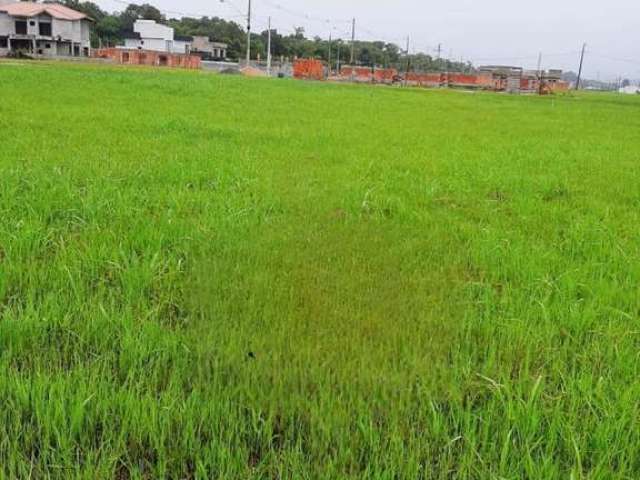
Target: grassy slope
[{"x": 237, "y": 278}]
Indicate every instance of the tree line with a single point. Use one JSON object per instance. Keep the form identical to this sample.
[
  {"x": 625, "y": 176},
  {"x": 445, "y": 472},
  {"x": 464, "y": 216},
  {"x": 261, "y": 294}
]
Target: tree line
[{"x": 111, "y": 28}]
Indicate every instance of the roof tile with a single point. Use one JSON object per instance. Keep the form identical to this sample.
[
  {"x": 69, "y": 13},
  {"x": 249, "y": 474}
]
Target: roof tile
[{"x": 55, "y": 10}]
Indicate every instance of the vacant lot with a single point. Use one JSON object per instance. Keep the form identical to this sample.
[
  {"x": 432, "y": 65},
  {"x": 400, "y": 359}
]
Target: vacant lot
[{"x": 215, "y": 277}]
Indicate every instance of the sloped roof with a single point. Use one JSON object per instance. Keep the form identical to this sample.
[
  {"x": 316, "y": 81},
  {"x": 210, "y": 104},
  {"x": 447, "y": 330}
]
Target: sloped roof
[{"x": 55, "y": 10}]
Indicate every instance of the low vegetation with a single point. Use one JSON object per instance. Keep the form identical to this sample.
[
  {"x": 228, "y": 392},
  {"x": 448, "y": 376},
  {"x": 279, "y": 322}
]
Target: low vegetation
[{"x": 208, "y": 276}]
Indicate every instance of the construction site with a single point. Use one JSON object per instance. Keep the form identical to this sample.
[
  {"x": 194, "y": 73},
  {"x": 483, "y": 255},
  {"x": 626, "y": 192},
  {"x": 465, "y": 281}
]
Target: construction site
[{"x": 496, "y": 78}]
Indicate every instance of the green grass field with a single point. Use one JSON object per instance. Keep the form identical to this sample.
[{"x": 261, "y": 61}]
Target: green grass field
[{"x": 214, "y": 277}]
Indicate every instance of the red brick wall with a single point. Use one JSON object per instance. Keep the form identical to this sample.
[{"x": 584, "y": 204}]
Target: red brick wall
[
  {"x": 308, "y": 69},
  {"x": 149, "y": 58},
  {"x": 462, "y": 79},
  {"x": 426, "y": 79},
  {"x": 366, "y": 74},
  {"x": 385, "y": 75}
]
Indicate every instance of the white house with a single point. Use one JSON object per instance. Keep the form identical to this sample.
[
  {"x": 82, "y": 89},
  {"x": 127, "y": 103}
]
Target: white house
[
  {"x": 43, "y": 30},
  {"x": 149, "y": 35}
]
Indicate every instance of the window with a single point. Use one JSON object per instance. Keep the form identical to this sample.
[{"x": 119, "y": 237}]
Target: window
[
  {"x": 21, "y": 27},
  {"x": 47, "y": 45},
  {"x": 3, "y": 42},
  {"x": 45, "y": 29}
]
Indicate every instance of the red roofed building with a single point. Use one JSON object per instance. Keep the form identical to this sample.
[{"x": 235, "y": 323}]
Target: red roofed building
[{"x": 43, "y": 30}]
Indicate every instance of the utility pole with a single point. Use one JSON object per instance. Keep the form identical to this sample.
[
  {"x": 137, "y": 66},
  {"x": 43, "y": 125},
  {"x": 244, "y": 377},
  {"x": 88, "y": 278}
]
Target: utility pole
[
  {"x": 406, "y": 74},
  {"x": 584, "y": 47},
  {"x": 269, "y": 50},
  {"x": 338, "y": 60},
  {"x": 540, "y": 73},
  {"x": 353, "y": 44},
  {"x": 249, "y": 34},
  {"x": 353, "y": 40},
  {"x": 329, "y": 74},
  {"x": 439, "y": 50},
  {"x": 539, "y": 63}
]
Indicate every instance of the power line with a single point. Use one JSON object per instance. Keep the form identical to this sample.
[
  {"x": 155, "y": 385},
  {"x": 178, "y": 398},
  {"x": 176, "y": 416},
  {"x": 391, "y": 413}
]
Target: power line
[
  {"x": 306, "y": 16},
  {"x": 171, "y": 12},
  {"x": 624, "y": 60},
  {"x": 336, "y": 31}
]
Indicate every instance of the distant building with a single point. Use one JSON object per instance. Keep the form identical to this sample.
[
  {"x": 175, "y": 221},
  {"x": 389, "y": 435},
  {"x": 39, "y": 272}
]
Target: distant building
[
  {"x": 152, "y": 36},
  {"x": 43, "y": 30},
  {"x": 552, "y": 82},
  {"x": 208, "y": 50},
  {"x": 530, "y": 81},
  {"x": 504, "y": 78},
  {"x": 630, "y": 89}
]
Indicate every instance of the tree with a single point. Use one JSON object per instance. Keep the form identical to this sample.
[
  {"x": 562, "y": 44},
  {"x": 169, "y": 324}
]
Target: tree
[
  {"x": 88, "y": 8},
  {"x": 111, "y": 28},
  {"x": 108, "y": 30},
  {"x": 135, "y": 12}
]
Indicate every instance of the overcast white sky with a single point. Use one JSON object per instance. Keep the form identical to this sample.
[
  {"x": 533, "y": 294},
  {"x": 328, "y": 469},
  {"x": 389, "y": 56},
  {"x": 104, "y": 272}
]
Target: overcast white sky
[{"x": 483, "y": 31}]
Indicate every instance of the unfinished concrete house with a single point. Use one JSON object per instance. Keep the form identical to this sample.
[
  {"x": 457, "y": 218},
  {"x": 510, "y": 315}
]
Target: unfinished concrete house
[
  {"x": 43, "y": 30},
  {"x": 504, "y": 78},
  {"x": 208, "y": 50}
]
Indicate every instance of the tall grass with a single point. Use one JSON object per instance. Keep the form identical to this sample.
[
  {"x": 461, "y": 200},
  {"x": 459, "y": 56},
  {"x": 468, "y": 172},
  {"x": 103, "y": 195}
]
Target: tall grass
[{"x": 213, "y": 277}]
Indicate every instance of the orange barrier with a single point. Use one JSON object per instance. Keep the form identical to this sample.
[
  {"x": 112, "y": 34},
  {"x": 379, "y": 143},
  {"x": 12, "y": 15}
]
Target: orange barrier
[{"x": 308, "y": 69}]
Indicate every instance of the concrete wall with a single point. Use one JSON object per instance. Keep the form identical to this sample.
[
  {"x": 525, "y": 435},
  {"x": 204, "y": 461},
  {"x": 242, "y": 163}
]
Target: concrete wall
[
  {"x": 32, "y": 26},
  {"x": 7, "y": 26},
  {"x": 201, "y": 43},
  {"x": 85, "y": 32},
  {"x": 180, "y": 46},
  {"x": 63, "y": 49},
  {"x": 151, "y": 29},
  {"x": 46, "y": 48},
  {"x": 78, "y": 31},
  {"x": 154, "y": 44},
  {"x": 219, "y": 66},
  {"x": 158, "y": 45},
  {"x": 62, "y": 28},
  {"x": 6, "y": 29}
]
